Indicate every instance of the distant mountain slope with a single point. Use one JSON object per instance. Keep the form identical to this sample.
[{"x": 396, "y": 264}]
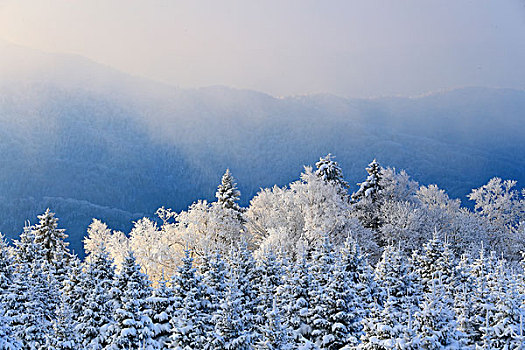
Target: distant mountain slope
[{"x": 93, "y": 142}]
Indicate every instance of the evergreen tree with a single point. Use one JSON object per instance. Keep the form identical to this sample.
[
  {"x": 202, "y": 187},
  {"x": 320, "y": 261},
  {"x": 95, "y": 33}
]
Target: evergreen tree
[
  {"x": 271, "y": 279},
  {"x": 7, "y": 337},
  {"x": 214, "y": 271},
  {"x": 187, "y": 323},
  {"x": 322, "y": 272},
  {"x": 329, "y": 171},
  {"x": 371, "y": 187},
  {"x": 464, "y": 303},
  {"x": 65, "y": 335},
  {"x": 25, "y": 248},
  {"x": 435, "y": 325},
  {"x": 294, "y": 296},
  {"x": 95, "y": 300},
  {"x": 388, "y": 323},
  {"x": 243, "y": 267},
  {"x": 227, "y": 193},
  {"x": 161, "y": 304},
  {"x": 51, "y": 241},
  {"x": 505, "y": 322},
  {"x": 367, "y": 198},
  {"x": 231, "y": 330},
  {"x": 31, "y": 304},
  {"x": 274, "y": 335},
  {"x": 435, "y": 262},
  {"x": 6, "y": 268},
  {"x": 132, "y": 327}
]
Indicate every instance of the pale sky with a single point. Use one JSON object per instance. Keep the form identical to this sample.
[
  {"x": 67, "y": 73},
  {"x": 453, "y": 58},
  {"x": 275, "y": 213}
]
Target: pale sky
[{"x": 286, "y": 47}]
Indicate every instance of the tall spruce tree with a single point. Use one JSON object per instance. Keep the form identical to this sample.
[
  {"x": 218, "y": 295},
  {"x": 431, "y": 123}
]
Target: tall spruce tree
[
  {"x": 188, "y": 319},
  {"x": 51, "y": 241},
  {"x": 227, "y": 193},
  {"x": 161, "y": 304},
  {"x": 132, "y": 327},
  {"x": 368, "y": 198},
  {"x": 232, "y": 332},
  {"x": 330, "y": 171},
  {"x": 96, "y": 303},
  {"x": 388, "y": 323}
]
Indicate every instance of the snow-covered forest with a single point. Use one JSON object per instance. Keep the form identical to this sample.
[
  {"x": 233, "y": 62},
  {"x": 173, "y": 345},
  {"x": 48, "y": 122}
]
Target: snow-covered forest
[{"x": 394, "y": 265}]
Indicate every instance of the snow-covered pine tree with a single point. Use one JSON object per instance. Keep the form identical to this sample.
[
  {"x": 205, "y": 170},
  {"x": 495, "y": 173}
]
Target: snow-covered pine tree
[
  {"x": 387, "y": 324},
  {"x": 506, "y": 317},
  {"x": 25, "y": 248},
  {"x": 343, "y": 315},
  {"x": 274, "y": 334},
  {"x": 330, "y": 171},
  {"x": 213, "y": 270},
  {"x": 132, "y": 328},
  {"x": 271, "y": 273},
  {"x": 73, "y": 289},
  {"x": 161, "y": 308},
  {"x": 322, "y": 271},
  {"x": 65, "y": 336},
  {"x": 188, "y": 319},
  {"x": 8, "y": 340},
  {"x": 483, "y": 271},
  {"x": 359, "y": 276},
  {"x": 435, "y": 262},
  {"x": 95, "y": 307},
  {"x": 6, "y": 267},
  {"x": 463, "y": 302},
  {"x": 227, "y": 193},
  {"x": 52, "y": 242},
  {"x": 434, "y": 323},
  {"x": 294, "y": 298},
  {"x": 367, "y": 197},
  {"x": 231, "y": 331},
  {"x": 244, "y": 268},
  {"x": 31, "y": 304}
]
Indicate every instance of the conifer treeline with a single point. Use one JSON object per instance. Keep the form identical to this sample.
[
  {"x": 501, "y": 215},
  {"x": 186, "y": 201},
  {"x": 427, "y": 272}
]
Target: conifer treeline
[
  {"x": 306, "y": 266},
  {"x": 326, "y": 298}
]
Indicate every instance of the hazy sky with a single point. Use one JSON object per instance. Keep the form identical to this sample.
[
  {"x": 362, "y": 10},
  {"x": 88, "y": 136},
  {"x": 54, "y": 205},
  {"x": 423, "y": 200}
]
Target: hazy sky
[{"x": 286, "y": 47}]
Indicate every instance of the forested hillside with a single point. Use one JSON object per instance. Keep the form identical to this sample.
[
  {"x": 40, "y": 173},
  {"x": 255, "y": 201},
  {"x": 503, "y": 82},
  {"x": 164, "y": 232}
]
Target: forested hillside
[{"x": 395, "y": 265}]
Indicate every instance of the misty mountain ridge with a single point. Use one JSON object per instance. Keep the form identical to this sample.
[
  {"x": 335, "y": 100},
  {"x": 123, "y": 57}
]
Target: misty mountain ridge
[{"x": 89, "y": 141}]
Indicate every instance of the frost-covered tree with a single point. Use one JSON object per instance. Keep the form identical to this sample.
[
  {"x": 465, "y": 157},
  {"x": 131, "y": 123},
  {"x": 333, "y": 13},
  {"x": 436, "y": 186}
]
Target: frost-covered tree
[
  {"x": 434, "y": 323},
  {"x": 95, "y": 313},
  {"x": 208, "y": 227},
  {"x": 387, "y": 325},
  {"x": 161, "y": 312},
  {"x": 8, "y": 340},
  {"x": 329, "y": 170},
  {"x": 295, "y": 218},
  {"x": 274, "y": 334},
  {"x": 51, "y": 241},
  {"x": 189, "y": 314},
  {"x": 132, "y": 327},
  {"x": 504, "y": 208},
  {"x": 368, "y": 197},
  {"x": 227, "y": 193},
  {"x": 435, "y": 263},
  {"x": 231, "y": 330},
  {"x": 98, "y": 237}
]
